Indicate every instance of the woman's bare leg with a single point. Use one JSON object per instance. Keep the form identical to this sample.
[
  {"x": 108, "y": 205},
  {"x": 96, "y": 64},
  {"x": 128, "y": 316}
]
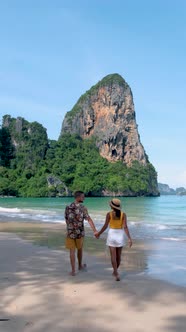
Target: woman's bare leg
[
  {"x": 118, "y": 255},
  {"x": 114, "y": 262}
]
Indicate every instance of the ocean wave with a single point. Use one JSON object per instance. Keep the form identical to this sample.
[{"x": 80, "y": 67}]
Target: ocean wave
[
  {"x": 157, "y": 226},
  {"x": 32, "y": 214},
  {"x": 9, "y": 210},
  {"x": 173, "y": 239}
]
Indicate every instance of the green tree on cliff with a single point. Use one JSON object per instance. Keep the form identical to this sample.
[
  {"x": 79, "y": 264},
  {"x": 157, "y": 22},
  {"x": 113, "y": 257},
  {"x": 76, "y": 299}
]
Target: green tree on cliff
[
  {"x": 75, "y": 162},
  {"x": 6, "y": 147}
]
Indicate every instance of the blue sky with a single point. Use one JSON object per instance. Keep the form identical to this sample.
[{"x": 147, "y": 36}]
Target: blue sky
[{"x": 51, "y": 52}]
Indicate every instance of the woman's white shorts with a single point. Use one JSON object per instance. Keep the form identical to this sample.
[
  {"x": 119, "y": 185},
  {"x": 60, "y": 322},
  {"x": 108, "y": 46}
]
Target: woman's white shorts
[{"x": 115, "y": 238}]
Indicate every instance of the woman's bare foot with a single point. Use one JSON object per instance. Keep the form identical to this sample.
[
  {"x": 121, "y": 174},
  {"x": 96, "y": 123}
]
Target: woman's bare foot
[
  {"x": 72, "y": 273},
  {"x": 116, "y": 275},
  {"x": 117, "y": 278}
]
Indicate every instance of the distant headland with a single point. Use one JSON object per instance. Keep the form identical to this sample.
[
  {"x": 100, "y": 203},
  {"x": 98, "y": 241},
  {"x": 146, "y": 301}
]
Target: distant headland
[{"x": 164, "y": 189}]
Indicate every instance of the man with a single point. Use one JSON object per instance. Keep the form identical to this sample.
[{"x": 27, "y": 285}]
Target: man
[{"x": 75, "y": 214}]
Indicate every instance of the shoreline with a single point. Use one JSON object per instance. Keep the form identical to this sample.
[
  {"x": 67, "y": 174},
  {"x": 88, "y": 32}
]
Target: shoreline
[
  {"x": 148, "y": 258},
  {"x": 51, "y": 235}
]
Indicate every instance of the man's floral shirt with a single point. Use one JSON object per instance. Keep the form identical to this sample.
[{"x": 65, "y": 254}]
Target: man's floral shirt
[{"x": 74, "y": 216}]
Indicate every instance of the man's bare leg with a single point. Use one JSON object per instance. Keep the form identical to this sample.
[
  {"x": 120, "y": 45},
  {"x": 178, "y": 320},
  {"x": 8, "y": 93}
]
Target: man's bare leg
[
  {"x": 114, "y": 262},
  {"x": 80, "y": 257},
  {"x": 72, "y": 261}
]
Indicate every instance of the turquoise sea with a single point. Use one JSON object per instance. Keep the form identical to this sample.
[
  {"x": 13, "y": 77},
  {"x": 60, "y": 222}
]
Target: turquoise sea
[{"x": 157, "y": 220}]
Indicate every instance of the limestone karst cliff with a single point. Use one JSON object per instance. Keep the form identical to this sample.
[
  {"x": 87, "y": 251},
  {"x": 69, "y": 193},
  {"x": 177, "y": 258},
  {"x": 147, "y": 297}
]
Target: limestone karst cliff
[
  {"x": 34, "y": 166},
  {"x": 107, "y": 112}
]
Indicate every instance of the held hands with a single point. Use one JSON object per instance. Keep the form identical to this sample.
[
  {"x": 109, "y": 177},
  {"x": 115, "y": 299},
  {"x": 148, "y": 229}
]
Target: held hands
[{"x": 96, "y": 234}]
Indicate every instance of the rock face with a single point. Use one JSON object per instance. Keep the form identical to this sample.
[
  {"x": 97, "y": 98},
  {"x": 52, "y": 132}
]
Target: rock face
[
  {"x": 59, "y": 187},
  {"x": 181, "y": 191},
  {"x": 107, "y": 112},
  {"x": 26, "y": 135},
  {"x": 164, "y": 189}
]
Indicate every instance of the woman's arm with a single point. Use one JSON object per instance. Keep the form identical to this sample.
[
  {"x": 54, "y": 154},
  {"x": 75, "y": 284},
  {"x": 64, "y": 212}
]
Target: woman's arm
[
  {"x": 126, "y": 229},
  {"x": 105, "y": 225}
]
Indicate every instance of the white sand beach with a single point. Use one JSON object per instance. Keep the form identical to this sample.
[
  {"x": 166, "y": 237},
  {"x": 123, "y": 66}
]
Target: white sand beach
[{"x": 38, "y": 295}]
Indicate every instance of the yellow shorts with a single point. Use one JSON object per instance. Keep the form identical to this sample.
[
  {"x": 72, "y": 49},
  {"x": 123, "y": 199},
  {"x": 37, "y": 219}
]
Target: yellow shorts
[{"x": 74, "y": 243}]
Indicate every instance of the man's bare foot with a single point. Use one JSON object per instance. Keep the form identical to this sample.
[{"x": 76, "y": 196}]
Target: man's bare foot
[
  {"x": 83, "y": 267},
  {"x": 72, "y": 273}
]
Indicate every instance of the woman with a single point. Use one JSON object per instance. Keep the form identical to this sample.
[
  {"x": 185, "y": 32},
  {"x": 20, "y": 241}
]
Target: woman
[{"x": 117, "y": 222}]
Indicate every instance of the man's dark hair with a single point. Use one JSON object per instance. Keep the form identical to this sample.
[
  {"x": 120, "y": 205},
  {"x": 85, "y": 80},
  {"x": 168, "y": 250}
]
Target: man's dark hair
[{"x": 78, "y": 193}]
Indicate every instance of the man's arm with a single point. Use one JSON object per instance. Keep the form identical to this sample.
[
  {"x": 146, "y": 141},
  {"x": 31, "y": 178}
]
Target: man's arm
[
  {"x": 66, "y": 214},
  {"x": 91, "y": 223}
]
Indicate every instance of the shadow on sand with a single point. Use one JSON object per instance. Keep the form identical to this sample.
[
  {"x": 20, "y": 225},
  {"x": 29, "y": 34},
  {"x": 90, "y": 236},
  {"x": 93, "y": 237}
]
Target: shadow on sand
[{"x": 38, "y": 295}]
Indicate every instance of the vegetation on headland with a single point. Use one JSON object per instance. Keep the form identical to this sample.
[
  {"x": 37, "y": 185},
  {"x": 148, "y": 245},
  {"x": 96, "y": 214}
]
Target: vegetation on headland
[{"x": 28, "y": 159}]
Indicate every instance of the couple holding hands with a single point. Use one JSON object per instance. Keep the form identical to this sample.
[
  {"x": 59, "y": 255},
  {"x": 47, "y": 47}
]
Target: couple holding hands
[{"x": 75, "y": 214}]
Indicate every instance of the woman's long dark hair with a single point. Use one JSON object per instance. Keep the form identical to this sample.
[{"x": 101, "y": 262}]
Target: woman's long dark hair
[{"x": 117, "y": 212}]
